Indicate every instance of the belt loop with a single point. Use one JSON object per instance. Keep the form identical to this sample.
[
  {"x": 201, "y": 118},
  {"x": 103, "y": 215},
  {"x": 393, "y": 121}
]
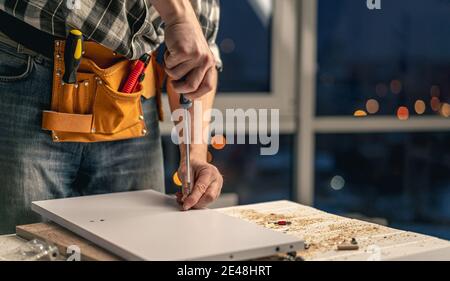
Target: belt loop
[
  {"x": 39, "y": 58},
  {"x": 19, "y": 48}
]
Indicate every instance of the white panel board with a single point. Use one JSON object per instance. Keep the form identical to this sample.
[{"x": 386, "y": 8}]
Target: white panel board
[{"x": 147, "y": 225}]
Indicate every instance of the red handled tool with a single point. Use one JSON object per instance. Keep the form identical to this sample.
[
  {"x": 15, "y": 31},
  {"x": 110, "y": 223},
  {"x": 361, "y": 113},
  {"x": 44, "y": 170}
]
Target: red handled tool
[{"x": 137, "y": 75}]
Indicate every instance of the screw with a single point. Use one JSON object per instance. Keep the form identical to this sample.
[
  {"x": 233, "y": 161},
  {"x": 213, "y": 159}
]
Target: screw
[
  {"x": 292, "y": 254},
  {"x": 283, "y": 222}
]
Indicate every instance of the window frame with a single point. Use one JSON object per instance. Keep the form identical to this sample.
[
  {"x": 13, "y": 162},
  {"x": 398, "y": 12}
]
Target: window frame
[{"x": 309, "y": 124}]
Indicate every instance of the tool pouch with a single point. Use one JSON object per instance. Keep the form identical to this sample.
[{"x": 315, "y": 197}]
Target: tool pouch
[{"x": 93, "y": 109}]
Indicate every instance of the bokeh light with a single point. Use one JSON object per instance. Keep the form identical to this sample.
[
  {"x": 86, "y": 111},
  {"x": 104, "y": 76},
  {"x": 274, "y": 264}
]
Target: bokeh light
[
  {"x": 403, "y": 113},
  {"x": 218, "y": 142},
  {"x": 420, "y": 107},
  {"x": 435, "y": 104},
  {"x": 396, "y": 86},
  {"x": 445, "y": 110},
  {"x": 372, "y": 106},
  {"x": 337, "y": 182},
  {"x": 176, "y": 179},
  {"x": 209, "y": 157},
  {"x": 227, "y": 45},
  {"x": 360, "y": 113}
]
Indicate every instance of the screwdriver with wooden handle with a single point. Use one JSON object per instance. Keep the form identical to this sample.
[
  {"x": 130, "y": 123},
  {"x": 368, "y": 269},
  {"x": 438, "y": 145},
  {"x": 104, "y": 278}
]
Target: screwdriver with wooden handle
[
  {"x": 72, "y": 56},
  {"x": 186, "y": 104}
]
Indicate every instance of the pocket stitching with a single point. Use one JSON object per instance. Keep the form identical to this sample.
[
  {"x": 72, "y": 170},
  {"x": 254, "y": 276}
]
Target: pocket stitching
[
  {"x": 20, "y": 76},
  {"x": 119, "y": 95}
]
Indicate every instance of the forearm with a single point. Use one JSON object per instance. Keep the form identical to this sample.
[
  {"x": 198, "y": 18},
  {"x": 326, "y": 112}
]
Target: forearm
[
  {"x": 172, "y": 10},
  {"x": 198, "y": 150}
]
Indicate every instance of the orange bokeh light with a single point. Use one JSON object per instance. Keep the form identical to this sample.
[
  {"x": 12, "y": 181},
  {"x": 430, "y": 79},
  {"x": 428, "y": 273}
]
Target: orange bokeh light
[
  {"x": 420, "y": 107},
  {"x": 372, "y": 106},
  {"x": 176, "y": 179},
  {"x": 403, "y": 113},
  {"x": 360, "y": 113},
  {"x": 218, "y": 142},
  {"x": 445, "y": 110}
]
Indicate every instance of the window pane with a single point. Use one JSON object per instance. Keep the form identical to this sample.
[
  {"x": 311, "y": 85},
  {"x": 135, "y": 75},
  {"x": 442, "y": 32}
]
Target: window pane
[
  {"x": 245, "y": 43},
  {"x": 403, "y": 178},
  {"x": 253, "y": 177},
  {"x": 397, "y": 56}
]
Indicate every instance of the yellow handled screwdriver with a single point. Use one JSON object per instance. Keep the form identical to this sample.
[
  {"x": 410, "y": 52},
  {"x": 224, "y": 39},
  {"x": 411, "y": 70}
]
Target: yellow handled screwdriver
[{"x": 72, "y": 56}]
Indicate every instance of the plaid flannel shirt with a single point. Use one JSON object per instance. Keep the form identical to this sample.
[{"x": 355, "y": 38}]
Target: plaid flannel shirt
[{"x": 129, "y": 27}]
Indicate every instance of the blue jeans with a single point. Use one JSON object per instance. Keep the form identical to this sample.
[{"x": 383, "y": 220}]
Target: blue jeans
[{"x": 33, "y": 167}]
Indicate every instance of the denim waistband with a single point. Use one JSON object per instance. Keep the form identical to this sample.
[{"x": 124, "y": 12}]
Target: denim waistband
[{"x": 20, "y": 48}]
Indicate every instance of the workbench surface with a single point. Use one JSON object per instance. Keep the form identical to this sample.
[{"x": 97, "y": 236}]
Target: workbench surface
[{"x": 322, "y": 233}]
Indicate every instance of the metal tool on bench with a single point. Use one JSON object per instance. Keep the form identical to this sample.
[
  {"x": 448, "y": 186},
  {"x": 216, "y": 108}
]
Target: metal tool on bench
[
  {"x": 34, "y": 250},
  {"x": 72, "y": 56}
]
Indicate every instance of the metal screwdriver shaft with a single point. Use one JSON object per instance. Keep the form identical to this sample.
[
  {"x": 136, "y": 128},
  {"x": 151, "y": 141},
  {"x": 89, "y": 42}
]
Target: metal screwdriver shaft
[{"x": 186, "y": 104}]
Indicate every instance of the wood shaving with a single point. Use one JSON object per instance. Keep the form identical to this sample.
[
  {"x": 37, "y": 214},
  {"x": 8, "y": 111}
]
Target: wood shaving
[{"x": 322, "y": 232}]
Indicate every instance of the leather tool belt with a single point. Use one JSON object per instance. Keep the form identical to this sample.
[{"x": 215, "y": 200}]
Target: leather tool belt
[{"x": 93, "y": 109}]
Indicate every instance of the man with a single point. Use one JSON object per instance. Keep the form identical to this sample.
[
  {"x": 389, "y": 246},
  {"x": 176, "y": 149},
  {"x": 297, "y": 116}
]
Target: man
[{"x": 32, "y": 166}]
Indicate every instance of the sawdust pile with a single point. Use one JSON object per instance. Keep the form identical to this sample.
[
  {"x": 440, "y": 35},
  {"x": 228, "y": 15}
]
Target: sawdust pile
[{"x": 321, "y": 231}]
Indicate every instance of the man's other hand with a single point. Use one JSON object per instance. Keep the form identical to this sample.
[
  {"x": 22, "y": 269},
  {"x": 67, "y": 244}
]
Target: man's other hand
[{"x": 207, "y": 185}]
